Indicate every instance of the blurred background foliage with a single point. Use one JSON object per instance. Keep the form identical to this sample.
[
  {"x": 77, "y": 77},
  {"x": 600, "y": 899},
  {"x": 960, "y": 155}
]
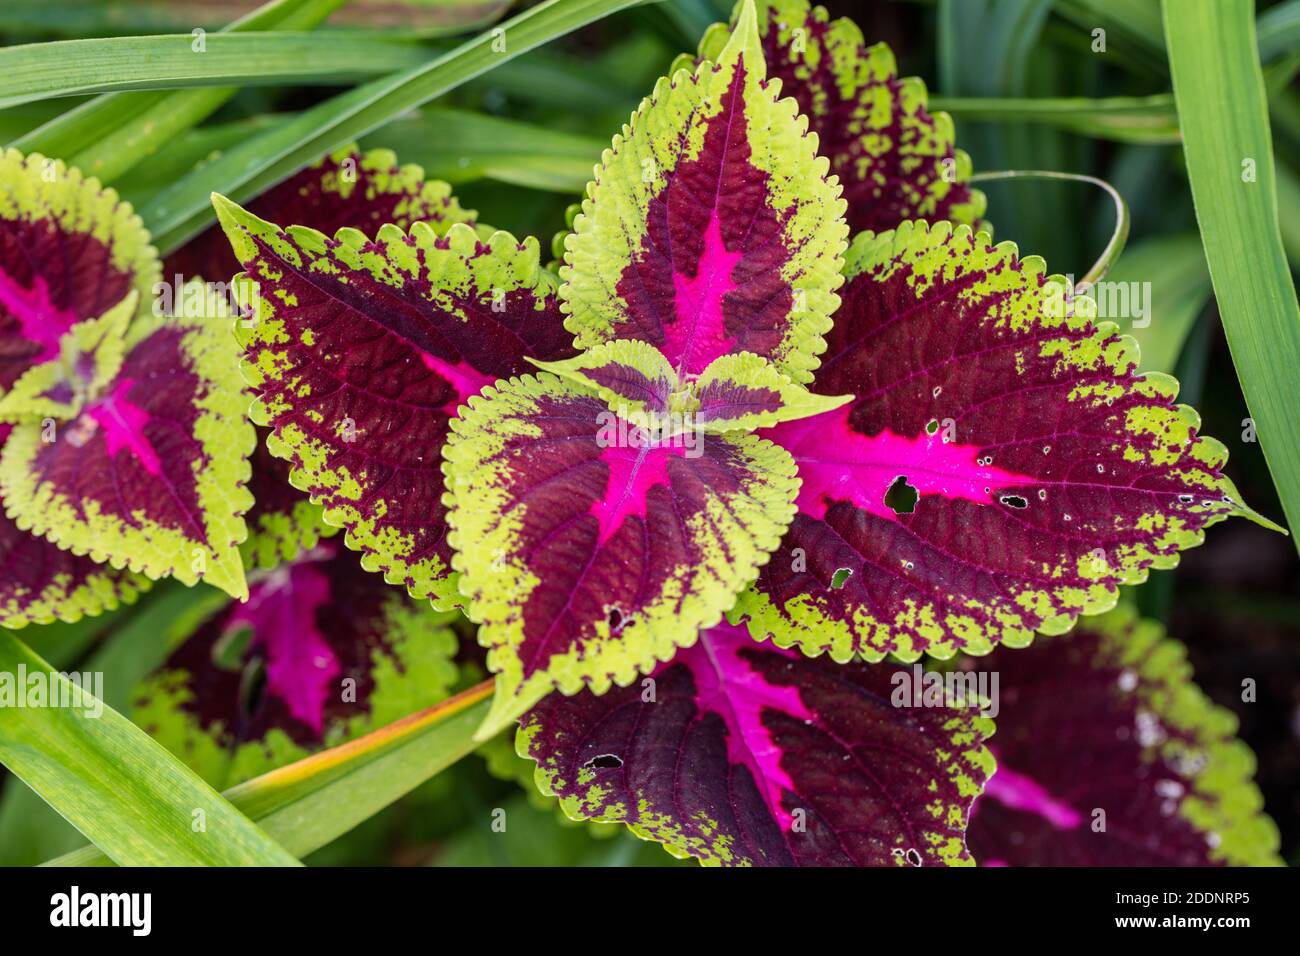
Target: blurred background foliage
[{"x": 1029, "y": 88}]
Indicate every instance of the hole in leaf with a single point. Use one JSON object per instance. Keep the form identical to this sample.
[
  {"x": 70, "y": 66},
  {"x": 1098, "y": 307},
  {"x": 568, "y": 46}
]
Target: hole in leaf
[
  {"x": 840, "y": 576},
  {"x": 604, "y": 762},
  {"x": 901, "y": 496},
  {"x": 1014, "y": 501},
  {"x": 617, "y": 621},
  {"x": 932, "y": 426}
]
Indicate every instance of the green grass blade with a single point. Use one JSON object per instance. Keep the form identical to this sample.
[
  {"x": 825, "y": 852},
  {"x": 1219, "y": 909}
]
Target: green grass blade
[
  {"x": 1219, "y": 89},
  {"x": 115, "y": 784},
  {"x": 307, "y": 804},
  {"x": 82, "y": 18},
  {"x": 1178, "y": 288},
  {"x": 38, "y": 71},
  {"x": 458, "y": 146},
  {"x": 183, "y": 209},
  {"x": 1124, "y": 119},
  {"x": 108, "y": 135},
  {"x": 1278, "y": 30}
]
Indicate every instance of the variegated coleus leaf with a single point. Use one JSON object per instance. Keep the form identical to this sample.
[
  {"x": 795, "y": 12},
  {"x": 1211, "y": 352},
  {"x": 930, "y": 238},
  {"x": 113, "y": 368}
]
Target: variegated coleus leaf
[
  {"x": 148, "y": 473},
  {"x": 1002, "y": 469},
  {"x": 69, "y": 251},
  {"x": 894, "y": 158},
  {"x": 1109, "y": 755},
  {"x": 40, "y": 582},
  {"x": 711, "y": 226},
  {"x": 739, "y": 391},
  {"x": 740, "y": 753},
  {"x": 322, "y": 652},
  {"x": 346, "y": 189},
  {"x": 591, "y": 549},
  {"x": 362, "y": 350}
]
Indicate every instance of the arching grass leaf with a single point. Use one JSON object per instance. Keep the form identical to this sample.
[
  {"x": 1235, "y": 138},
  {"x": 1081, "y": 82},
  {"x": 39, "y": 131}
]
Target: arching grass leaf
[
  {"x": 739, "y": 753},
  {"x": 894, "y": 158},
  {"x": 322, "y": 652},
  {"x": 1109, "y": 755},
  {"x": 590, "y": 552},
  {"x": 1002, "y": 469},
  {"x": 711, "y": 227},
  {"x": 362, "y": 350}
]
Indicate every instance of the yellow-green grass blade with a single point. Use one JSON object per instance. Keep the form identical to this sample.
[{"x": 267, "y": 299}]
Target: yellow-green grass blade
[
  {"x": 108, "y": 135},
  {"x": 307, "y": 804},
  {"x": 135, "y": 801},
  {"x": 1124, "y": 119},
  {"x": 250, "y": 168},
  {"x": 1219, "y": 89},
  {"x": 36, "y": 71}
]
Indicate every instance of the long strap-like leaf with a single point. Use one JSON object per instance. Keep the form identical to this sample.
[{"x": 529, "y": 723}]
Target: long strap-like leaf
[
  {"x": 108, "y": 135},
  {"x": 240, "y": 173},
  {"x": 112, "y": 781},
  {"x": 1222, "y": 108},
  {"x": 307, "y": 804},
  {"x": 38, "y": 71}
]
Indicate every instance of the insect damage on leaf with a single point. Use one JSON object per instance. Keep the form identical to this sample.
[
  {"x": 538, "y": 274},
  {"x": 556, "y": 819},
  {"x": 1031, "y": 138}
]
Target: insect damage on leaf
[
  {"x": 1001, "y": 470},
  {"x": 739, "y": 753}
]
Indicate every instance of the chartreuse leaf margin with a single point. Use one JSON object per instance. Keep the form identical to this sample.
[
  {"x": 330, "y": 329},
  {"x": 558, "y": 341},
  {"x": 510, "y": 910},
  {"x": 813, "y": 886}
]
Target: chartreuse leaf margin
[{"x": 35, "y": 474}]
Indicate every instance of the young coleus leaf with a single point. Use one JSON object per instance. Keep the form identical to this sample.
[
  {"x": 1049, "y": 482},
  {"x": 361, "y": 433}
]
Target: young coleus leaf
[
  {"x": 90, "y": 355},
  {"x": 743, "y": 391},
  {"x": 1003, "y": 468},
  {"x": 322, "y": 652},
  {"x": 148, "y": 474},
  {"x": 40, "y": 582},
  {"x": 362, "y": 350},
  {"x": 591, "y": 549},
  {"x": 895, "y": 160},
  {"x": 739, "y": 391},
  {"x": 631, "y": 376},
  {"x": 346, "y": 189},
  {"x": 711, "y": 227},
  {"x": 1138, "y": 768},
  {"x": 740, "y": 753},
  {"x": 69, "y": 251}
]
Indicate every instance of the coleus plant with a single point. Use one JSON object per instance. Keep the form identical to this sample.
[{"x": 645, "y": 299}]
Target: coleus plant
[
  {"x": 123, "y": 427},
  {"x": 898, "y": 446}
]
